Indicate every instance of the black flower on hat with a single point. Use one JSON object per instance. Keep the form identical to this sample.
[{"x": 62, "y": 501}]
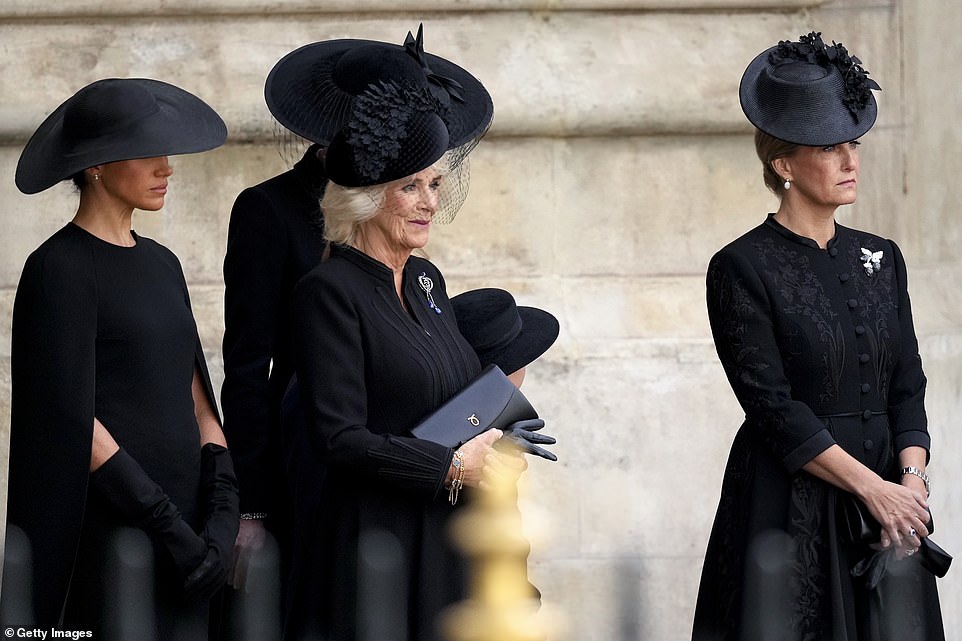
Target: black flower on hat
[
  {"x": 380, "y": 124},
  {"x": 811, "y": 49},
  {"x": 395, "y": 130}
]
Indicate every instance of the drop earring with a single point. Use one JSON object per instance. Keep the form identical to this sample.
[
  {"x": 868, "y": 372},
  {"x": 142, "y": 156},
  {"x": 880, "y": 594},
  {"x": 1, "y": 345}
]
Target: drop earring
[{"x": 787, "y": 185}]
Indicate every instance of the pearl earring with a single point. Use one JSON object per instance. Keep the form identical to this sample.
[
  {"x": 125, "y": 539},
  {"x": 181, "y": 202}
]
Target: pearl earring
[
  {"x": 787, "y": 185},
  {"x": 96, "y": 176}
]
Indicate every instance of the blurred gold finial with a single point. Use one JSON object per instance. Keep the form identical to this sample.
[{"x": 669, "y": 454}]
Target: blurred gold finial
[{"x": 501, "y": 606}]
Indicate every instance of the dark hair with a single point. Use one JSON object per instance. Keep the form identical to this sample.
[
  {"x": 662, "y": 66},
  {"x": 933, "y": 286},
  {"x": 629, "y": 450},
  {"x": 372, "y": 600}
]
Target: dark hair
[
  {"x": 79, "y": 180},
  {"x": 768, "y": 149}
]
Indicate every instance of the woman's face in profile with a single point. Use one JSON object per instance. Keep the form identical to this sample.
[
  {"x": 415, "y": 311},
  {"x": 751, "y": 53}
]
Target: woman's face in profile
[
  {"x": 826, "y": 176},
  {"x": 409, "y": 206},
  {"x": 140, "y": 184}
]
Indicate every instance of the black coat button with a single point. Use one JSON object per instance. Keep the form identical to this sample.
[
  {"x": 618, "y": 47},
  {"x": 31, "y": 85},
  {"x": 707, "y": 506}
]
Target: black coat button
[
  {"x": 833, "y": 252},
  {"x": 866, "y": 388},
  {"x": 868, "y": 444},
  {"x": 860, "y": 329},
  {"x": 843, "y": 277},
  {"x": 867, "y": 414},
  {"x": 863, "y": 358},
  {"x": 852, "y": 303}
]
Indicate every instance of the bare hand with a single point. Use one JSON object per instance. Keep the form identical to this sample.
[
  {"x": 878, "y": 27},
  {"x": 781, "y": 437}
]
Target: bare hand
[
  {"x": 475, "y": 452},
  {"x": 250, "y": 539},
  {"x": 903, "y": 515},
  {"x": 501, "y": 465}
]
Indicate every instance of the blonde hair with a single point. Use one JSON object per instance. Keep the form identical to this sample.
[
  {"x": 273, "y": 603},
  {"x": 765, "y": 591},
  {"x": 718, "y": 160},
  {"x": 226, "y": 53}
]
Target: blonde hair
[
  {"x": 768, "y": 149},
  {"x": 346, "y": 208}
]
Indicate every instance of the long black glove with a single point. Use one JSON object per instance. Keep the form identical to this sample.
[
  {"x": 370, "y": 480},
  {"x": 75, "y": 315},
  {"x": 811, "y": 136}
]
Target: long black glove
[
  {"x": 129, "y": 490},
  {"x": 524, "y": 435},
  {"x": 222, "y": 520}
]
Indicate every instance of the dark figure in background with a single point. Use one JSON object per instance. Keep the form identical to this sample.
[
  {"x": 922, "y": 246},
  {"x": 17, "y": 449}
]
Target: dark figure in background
[
  {"x": 276, "y": 236},
  {"x": 113, "y": 417},
  {"x": 379, "y": 350},
  {"x": 813, "y": 325}
]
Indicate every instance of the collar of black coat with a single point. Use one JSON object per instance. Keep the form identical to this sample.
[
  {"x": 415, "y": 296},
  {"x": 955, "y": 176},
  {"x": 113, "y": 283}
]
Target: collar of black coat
[{"x": 801, "y": 240}]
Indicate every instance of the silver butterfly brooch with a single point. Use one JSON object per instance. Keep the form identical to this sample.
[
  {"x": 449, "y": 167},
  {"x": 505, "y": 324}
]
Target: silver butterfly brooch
[{"x": 872, "y": 261}]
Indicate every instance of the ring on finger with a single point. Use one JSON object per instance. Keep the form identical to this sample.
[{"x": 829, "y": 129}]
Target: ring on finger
[
  {"x": 911, "y": 531},
  {"x": 911, "y": 551}
]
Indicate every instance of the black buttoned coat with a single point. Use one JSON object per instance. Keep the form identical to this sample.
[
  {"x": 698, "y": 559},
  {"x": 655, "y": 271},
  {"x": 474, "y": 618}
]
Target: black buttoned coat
[{"x": 820, "y": 349}]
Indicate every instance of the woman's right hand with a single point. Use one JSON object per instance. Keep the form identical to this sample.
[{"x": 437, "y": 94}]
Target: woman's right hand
[
  {"x": 899, "y": 510},
  {"x": 475, "y": 454}
]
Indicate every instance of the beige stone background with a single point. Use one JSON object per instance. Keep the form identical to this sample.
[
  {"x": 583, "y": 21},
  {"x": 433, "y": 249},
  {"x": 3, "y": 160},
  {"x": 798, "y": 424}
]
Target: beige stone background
[{"x": 619, "y": 161}]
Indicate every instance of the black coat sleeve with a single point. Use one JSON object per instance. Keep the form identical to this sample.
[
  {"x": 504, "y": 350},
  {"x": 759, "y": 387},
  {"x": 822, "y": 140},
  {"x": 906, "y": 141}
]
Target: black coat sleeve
[
  {"x": 739, "y": 311},
  {"x": 906, "y": 401},
  {"x": 53, "y": 383}
]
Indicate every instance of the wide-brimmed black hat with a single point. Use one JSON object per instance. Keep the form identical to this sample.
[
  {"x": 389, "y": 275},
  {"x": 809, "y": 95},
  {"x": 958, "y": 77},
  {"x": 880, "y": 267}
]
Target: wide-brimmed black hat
[
  {"x": 311, "y": 91},
  {"x": 394, "y": 131},
  {"x": 808, "y": 93},
  {"x": 116, "y": 119},
  {"x": 502, "y": 332}
]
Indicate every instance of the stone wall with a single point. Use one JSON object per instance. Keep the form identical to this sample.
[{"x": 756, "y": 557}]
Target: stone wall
[{"x": 618, "y": 163}]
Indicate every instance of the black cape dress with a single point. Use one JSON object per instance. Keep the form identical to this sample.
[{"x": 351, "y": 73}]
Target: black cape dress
[
  {"x": 819, "y": 348},
  {"x": 103, "y": 331},
  {"x": 369, "y": 371}
]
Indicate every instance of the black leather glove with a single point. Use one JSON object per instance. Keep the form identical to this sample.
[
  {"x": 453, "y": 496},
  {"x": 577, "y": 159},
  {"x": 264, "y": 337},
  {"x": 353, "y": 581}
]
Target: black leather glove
[
  {"x": 222, "y": 520},
  {"x": 126, "y": 486},
  {"x": 524, "y": 435}
]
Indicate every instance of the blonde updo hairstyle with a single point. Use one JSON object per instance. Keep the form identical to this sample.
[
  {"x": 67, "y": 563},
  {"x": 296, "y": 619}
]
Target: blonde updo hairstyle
[{"x": 768, "y": 149}]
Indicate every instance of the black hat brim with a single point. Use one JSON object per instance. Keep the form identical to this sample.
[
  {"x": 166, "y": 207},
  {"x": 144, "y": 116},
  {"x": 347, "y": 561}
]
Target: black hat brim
[
  {"x": 303, "y": 95},
  {"x": 539, "y": 330},
  {"x": 183, "y": 124}
]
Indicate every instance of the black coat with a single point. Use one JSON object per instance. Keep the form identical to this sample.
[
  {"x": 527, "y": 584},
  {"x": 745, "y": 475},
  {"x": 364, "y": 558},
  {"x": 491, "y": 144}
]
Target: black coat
[
  {"x": 369, "y": 371},
  {"x": 274, "y": 238},
  {"x": 820, "y": 349},
  {"x": 99, "y": 331}
]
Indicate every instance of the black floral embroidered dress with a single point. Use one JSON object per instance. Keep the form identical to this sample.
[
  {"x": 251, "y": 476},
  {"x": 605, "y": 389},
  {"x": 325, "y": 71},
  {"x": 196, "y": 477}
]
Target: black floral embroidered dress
[{"x": 819, "y": 348}]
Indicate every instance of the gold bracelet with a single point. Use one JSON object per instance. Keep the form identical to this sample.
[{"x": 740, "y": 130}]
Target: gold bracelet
[{"x": 458, "y": 481}]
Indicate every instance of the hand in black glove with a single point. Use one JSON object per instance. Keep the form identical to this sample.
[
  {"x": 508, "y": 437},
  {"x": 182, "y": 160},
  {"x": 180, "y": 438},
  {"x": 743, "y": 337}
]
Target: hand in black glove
[
  {"x": 126, "y": 486},
  {"x": 524, "y": 435},
  {"x": 222, "y": 519}
]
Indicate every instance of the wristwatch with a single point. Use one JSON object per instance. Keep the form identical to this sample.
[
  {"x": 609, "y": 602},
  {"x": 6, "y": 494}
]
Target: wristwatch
[{"x": 919, "y": 473}]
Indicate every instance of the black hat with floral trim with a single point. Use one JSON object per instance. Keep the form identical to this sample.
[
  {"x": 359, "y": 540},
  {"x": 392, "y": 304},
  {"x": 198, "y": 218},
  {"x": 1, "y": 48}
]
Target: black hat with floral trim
[
  {"x": 312, "y": 90},
  {"x": 809, "y": 93}
]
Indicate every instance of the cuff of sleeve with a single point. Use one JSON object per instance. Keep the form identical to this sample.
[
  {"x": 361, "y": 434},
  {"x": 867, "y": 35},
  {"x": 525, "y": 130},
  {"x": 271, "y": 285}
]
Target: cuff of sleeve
[
  {"x": 413, "y": 464},
  {"x": 809, "y": 449},
  {"x": 913, "y": 437}
]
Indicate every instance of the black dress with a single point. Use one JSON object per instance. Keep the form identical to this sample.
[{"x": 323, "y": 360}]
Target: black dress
[
  {"x": 819, "y": 347},
  {"x": 369, "y": 371},
  {"x": 100, "y": 331}
]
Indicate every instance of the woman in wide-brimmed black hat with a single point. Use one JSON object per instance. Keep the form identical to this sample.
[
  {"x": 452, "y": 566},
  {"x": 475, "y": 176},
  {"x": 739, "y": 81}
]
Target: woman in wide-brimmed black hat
[
  {"x": 378, "y": 350},
  {"x": 276, "y": 236},
  {"x": 813, "y": 325},
  {"x": 113, "y": 415}
]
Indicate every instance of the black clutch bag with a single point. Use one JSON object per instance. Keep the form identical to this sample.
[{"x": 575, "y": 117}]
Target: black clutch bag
[
  {"x": 489, "y": 401},
  {"x": 857, "y": 524}
]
